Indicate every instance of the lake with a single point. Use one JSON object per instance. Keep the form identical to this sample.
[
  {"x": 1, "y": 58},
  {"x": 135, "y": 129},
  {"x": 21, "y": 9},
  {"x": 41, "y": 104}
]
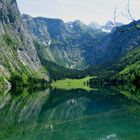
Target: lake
[{"x": 106, "y": 113}]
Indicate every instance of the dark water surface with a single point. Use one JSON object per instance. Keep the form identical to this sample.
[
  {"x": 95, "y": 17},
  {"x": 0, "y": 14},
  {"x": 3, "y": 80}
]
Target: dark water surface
[{"x": 104, "y": 114}]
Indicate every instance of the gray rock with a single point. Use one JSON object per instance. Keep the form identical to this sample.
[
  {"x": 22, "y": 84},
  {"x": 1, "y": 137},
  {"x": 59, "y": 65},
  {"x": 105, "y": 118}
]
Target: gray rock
[{"x": 17, "y": 51}]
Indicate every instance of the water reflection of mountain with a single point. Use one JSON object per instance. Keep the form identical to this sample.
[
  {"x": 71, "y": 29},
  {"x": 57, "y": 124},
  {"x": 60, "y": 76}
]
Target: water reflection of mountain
[{"x": 76, "y": 115}]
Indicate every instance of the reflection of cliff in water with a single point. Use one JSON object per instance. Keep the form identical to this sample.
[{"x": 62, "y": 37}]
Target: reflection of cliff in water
[
  {"x": 23, "y": 107},
  {"x": 58, "y": 114}
]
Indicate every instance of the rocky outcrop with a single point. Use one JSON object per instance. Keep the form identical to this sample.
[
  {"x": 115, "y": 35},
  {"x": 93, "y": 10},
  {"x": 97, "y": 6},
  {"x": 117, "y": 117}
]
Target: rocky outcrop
[{"x": 17, "y": 51}]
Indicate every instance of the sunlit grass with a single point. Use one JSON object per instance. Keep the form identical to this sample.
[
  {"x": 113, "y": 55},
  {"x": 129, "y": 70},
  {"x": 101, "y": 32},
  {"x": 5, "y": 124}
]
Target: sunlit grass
[{"x": 69, "y": 84}]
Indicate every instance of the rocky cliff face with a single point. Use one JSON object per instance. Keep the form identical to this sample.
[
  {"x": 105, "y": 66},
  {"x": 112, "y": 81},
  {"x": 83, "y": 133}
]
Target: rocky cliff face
[
  {"x": 76, "y": 45},
  {"x": 66, "y": 44},
  {"x": 17, "y": 52}
]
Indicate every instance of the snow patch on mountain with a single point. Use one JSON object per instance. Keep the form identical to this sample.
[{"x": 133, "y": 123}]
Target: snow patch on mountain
[{"x": 105, "y": 28}]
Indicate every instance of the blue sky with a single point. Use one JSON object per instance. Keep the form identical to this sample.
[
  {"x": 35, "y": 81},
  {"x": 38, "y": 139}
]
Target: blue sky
[{"x": 85, "y": 10}]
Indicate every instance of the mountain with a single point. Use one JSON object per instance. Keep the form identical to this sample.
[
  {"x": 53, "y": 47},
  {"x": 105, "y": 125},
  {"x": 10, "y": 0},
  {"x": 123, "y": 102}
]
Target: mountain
[
  {"x": 111, "y": 25},
  {"x": 129, "y": 66},
  {"x": 27, "y": 44},
  {"x": 76, "y": 45},
  {"x": 17, "y": 51},
  {"x": 66, "y": 44},
  {"x": 116, "y": 45},
  {"x": 125, "y": 70},
  {"x": 79, "y": 46},
  {"x": 105, "y": 28},
  {"x": 95, "y": 26},
  {"x": 119, "y": 58}
]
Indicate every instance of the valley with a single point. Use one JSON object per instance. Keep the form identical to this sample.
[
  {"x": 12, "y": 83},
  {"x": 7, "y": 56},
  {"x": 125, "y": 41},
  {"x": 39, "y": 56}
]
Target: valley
[
  {"x": 68, "y": 80},
  {"x": 110, "y": 56},
  {"x": 51, "y": 49}
]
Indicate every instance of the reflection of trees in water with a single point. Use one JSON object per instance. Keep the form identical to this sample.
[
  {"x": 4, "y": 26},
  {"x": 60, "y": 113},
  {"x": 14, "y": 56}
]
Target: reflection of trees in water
[
  {"x": 41, "y": 112},
  {"x": 25, "y": 106},
  {"x": 132, "y": 93}
]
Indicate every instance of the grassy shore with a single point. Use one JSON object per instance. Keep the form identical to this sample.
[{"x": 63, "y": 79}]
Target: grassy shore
[{"x": 69, "y": 84}]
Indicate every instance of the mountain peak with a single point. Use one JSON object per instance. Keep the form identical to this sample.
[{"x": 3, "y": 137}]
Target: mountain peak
[
  {"x": 105, "y": 28},
  {"x": 110, "y": 25},
  {"x": 26, "y": 17},
  {"x": 77, "y": 23},
  {"x": 95, "y": 25}
]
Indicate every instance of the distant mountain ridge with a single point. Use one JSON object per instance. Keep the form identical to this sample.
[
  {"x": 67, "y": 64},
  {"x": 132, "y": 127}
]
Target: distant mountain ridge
[
  {"x": 67, "y": 44},
  {"x": 105, "y": 28},
  {"x": 116, "y": 45},
  {"x": 76, "y": 45}
]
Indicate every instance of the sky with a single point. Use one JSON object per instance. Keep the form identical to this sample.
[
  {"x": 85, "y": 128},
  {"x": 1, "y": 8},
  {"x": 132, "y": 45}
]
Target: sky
[{"x": 99, "y": 11}]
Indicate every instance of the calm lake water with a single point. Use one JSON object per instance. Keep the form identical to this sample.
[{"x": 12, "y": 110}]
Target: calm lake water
[{"x": 103, "y": 114}]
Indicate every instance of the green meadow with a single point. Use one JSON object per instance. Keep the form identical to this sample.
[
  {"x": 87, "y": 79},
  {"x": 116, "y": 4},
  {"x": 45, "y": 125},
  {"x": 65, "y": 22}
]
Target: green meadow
[{"x": 69, "y": 84}]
